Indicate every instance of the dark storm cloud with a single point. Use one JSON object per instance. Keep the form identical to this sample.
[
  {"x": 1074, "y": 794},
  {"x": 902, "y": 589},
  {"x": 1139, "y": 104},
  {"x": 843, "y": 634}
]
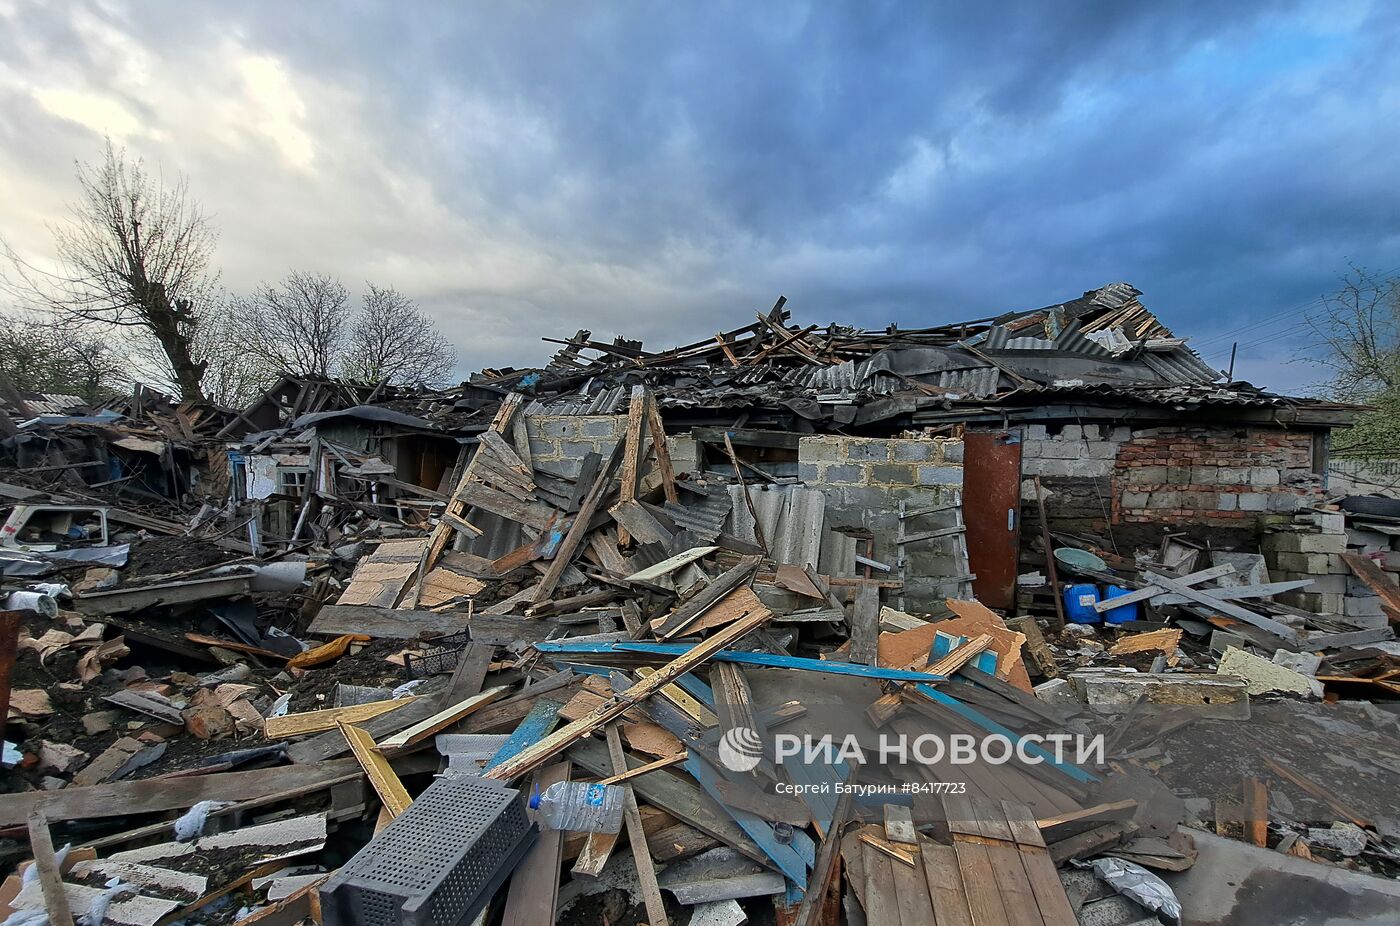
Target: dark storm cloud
[{"x": 665, "y": 170}]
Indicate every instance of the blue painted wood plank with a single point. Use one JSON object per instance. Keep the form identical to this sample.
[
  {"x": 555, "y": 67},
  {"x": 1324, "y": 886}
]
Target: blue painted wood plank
[
  {"x": 697, "y": 689},
  {"x": 750, "y": 659},
  {"x": 535, "y": 727},
  {"x": 787, "y": 858}
]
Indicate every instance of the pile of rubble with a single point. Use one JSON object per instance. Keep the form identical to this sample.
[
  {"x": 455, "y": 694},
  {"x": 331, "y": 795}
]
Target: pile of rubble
[{"x": 334, "y": 692}]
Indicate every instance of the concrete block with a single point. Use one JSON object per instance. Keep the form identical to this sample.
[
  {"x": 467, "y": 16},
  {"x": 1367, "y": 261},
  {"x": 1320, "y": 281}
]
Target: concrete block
[
  {"x": 1205, "y": 475},
  {"x": 1035, "y": 432},
  {"x": 1198, "y": 501},
  {"x": 599, "y": 427},
  {"x": 1103, "y": 450},
  {"x": 1263, "y": 476},
  {"x": 1322, "y": 543},
  {"x": 1179, "y": 475},
  {"x": 952, "y": 451},
  {"x": 819, "y": 449},
  {"x": 578, "y": 448},
  {"x": 868, "y": 450},
  {"x": 1362, "y": 607},
  {"x": 544, "y": 449},
  {"x": 1071, "y": 432},
  {"x": 809, "y": 472},
  {"x": 848, "y": 473},
  {"x": 1329, "y": 522},
  {"x": 1218, "y": 696},
  {"x": 901, "y": 474},
  {"x": 1232, "y": 475},
  {"x": 1061, "y": 450},
  {"x": 1090, "y": 432},
  {"x": 915, "y": 451},
  {"x": 1135, "y": 499},
  {"x": 1147, "y": 475},
  {"x": 1329, "y": 584},
  {"x": 1302, "y": 663},
  {"x": 1282, "y": 501},
  {"x": 1121, "y": 434},
  {"x": 1089, "y": 467},
  {"x": 1227, "y": 501},
  {"x": 1165, "y": 499},
  {"x": 550, "y": 426},
  {"x": 1254, "y": 501},
  {"x": 940, "y": 475},
  {"x": 1058, "y": 693},
  {"x": 1285, "y": 542},
  {"x": 1262, "y": 676}
]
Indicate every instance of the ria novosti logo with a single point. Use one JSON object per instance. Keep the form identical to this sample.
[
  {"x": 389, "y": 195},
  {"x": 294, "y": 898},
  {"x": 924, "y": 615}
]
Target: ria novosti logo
[{"x": 741, "y": 749}]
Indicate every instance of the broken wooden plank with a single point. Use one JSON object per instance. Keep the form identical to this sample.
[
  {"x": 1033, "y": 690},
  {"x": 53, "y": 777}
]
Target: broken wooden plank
[
  {"x": 505, "y": 415},
  {"x": 670, "y": 564},
  {"x": 381, "y": 775},
  {"x": 328, "y": 719},
  {"x": 636, "y": 836},
  {"x": 1154, "y": 588},
  {"x": 156, "y": 794},
  {"x": 663, "y": 453},
  {"x": 865, "y": 626},
  {"x": 1256, "y": 811},
  {"x": 578, "y": 529},
  {"x": 533, "y": 896},
  {"x": 443, "y": 718},
  {"x": 50, "y": 880},
  {"x": 1259, "y": 621},
  {"x": 631, "y": 456},
  {"x": 960, "y": 656},
  {"x": 681, "y": 618},
  {"x": 616, "y": 707}
]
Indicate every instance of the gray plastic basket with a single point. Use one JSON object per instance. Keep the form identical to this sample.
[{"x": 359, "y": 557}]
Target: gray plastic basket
[{"x": 438, "y": 863}]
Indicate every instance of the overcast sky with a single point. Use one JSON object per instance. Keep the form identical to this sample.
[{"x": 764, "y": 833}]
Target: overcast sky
[{"x": 664, "y": 170}]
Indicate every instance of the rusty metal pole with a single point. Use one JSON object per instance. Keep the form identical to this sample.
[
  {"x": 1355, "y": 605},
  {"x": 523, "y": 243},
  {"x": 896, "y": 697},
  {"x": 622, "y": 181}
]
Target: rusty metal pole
[{"x": 9, "y": 645}]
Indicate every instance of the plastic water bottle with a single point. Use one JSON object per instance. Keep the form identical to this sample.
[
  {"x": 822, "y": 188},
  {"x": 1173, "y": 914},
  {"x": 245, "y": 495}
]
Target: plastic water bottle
[{"x": 579, "y": 807}]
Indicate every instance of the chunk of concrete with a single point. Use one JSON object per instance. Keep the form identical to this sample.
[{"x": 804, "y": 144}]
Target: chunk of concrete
[
  {"x": 1302, "y": 663},
  {"x": 1058, "y": 692},
  {"x": 1262, "y": 676},
  {"x": 1218, "y": 696}
]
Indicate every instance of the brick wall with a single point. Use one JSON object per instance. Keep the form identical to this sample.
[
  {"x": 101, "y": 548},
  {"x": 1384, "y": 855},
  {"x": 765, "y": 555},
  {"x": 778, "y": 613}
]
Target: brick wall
[{"x": 1213, "y": 476}]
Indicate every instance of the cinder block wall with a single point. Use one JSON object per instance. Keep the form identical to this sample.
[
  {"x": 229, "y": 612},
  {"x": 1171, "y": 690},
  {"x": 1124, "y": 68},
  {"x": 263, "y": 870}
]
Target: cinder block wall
[
  {"x": 560, "y": 442},
  {"x": 864, "y": 480}
]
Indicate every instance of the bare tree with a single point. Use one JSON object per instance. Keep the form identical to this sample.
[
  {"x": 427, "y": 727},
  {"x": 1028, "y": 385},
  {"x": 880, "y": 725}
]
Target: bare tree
[
  {"x": 234, "y": 376},
  {"x": 297, "y": 326},
  {"x": 393, "y": 340},
  {"x": 135, "y": 253},
  {"x": 1356, "y": 336}
]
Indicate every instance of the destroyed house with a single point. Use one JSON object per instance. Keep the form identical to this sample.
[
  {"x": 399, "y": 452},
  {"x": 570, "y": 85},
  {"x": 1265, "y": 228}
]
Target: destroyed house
[
  {"x": 1091, "y": 410},
  {"x": 382, "y": 462}
]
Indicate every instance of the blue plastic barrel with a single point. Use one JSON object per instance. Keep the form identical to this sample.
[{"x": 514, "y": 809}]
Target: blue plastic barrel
[
  {"x": 1079, "y": 603},
  {"x": 1122, "y": 613}
]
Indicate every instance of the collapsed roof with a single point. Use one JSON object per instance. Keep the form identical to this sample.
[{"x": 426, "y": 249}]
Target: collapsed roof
[{"x": 1101, "y": 349}]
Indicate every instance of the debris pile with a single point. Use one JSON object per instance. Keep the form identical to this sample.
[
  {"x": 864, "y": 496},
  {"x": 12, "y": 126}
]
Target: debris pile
[{"x": 738, "y": 631}]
